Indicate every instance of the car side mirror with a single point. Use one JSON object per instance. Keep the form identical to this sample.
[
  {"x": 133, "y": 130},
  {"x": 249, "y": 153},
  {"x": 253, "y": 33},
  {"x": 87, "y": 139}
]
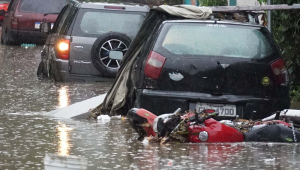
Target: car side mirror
[
  {"x": 116, "y": 55},
  {"x": 2, "y": 12},
  {"x": 45, "y": 27}
]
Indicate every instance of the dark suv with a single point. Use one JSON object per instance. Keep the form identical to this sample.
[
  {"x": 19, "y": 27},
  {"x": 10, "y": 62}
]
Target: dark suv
[
  {"x": 234, "y": 68},
  {"x": 23, "y": 18},
  {"x": 77, "y": 47}
]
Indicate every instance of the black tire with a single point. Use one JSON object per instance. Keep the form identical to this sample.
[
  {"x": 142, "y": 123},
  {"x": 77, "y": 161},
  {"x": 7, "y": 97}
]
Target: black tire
[
  {"x": 2, "y": 42},
  {"x": 7, "y": 39},
  {"x": 106, "y": 42},
  {"x": 41, "y": 72}
]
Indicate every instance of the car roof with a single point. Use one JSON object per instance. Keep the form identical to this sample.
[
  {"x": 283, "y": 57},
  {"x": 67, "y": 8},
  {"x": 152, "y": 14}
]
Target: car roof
[
  {"x": 125, "y": 7},
  {"x": 213, "y": 22}
]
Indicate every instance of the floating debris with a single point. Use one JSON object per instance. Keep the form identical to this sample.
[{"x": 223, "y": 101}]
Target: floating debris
[{"x": 104, "y": 118}]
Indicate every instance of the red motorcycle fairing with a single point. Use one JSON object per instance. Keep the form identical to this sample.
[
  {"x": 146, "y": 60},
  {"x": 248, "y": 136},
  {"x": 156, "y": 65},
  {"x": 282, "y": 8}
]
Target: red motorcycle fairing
[
  {"x": 147, "y": 115},
  {"x": 217, "y": 132},
  {"x": 150, "y": 118}
]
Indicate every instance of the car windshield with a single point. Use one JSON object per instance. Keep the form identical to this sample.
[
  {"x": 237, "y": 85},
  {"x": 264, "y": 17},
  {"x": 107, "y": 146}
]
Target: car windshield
[
  {"x": 42, "y": 6},
  {"x": 216, "y": 40},
  {"x": 99, "y": 22}
]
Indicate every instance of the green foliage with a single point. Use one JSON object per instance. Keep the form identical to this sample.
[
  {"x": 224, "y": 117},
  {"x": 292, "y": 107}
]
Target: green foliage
[
  {"x": 286, "y": 31},
  {"x": 262, "y": 1},
  {"x": 213, "y": 2}
]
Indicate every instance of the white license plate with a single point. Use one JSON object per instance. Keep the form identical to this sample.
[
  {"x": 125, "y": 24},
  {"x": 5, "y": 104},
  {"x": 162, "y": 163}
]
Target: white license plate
[
  {"x": 37, "y": 25},
  {"x": 223, "y": 109}
]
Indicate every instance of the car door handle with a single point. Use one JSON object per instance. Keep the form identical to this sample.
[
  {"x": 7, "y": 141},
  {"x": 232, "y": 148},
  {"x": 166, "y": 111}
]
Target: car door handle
[{"x": 78, "y": 47}]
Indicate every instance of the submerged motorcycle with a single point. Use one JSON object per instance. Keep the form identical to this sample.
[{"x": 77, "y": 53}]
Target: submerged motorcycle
[{"x": 202, "y": 127}]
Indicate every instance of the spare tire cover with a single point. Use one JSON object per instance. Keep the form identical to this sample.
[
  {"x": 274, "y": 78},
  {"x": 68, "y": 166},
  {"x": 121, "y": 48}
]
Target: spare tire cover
[{"x": 109, "y": 41}]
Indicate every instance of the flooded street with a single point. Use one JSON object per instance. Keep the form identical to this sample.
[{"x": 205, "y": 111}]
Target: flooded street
[{"x": 31, "y": 140}]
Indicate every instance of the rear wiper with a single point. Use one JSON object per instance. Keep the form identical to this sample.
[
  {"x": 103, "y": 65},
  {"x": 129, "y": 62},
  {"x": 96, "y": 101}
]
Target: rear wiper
[{"x": 51, "y": 13}]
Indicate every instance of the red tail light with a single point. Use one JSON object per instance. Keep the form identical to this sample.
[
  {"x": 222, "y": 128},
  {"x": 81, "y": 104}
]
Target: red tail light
[
  {"x": 280, "y": 73},
  {"x": 154, "y": 65},
  {"x": 14, "y": 23},
  {"x": 63, "y": 49}
]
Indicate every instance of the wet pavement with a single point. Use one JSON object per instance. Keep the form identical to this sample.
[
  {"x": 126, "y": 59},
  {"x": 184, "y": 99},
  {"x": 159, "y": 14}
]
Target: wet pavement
[{"x": 31, "y": 140}]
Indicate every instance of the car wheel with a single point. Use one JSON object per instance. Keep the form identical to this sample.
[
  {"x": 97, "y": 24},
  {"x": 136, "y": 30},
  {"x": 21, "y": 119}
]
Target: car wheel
[
  {"x": 53, "y": 73},
  {"x": 6, "y": 39},
  {"x": 100, "y": 50},
  {"x": 2, "y": 42},
  {"x": 41, "y": 74}
]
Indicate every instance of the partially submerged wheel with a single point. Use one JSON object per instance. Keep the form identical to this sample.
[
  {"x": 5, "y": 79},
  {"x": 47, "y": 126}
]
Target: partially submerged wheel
[
  {"x": 6, "y": 39},
  {"x": 41, "y": 71},
  {"x": 110, "y": 41}
]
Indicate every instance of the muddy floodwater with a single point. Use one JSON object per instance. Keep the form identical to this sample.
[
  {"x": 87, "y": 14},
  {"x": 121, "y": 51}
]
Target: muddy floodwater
[{"x": 31, "y": 140}]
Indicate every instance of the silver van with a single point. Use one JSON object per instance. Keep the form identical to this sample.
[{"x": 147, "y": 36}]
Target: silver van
[{"x": 78, "y": 46}]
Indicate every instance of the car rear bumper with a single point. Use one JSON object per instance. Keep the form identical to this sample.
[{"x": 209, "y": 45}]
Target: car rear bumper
[
  {"x": 61, "y": 73},
  {"x": 28, "y": 36},
  {"x": 248, "y": 107}
]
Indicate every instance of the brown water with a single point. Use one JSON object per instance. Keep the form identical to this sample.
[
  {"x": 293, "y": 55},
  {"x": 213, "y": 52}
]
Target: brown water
[{"x": 28, "y": 139}]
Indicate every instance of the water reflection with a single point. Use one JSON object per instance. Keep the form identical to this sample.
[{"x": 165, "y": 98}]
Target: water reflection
[
  {"x": 25, "y": 139},
  {"x": 63, "y": 132},
  {"x": 58, "y": 162},
  {"x": 22, "y": 91},
  {"x": 63, "y": 97}
]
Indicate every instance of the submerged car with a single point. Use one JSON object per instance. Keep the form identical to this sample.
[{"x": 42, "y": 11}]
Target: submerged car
[
  {"x": 84, "y": 34},
  {"x": 232, "y": 67},
  {"x": 22, "y": 22}
]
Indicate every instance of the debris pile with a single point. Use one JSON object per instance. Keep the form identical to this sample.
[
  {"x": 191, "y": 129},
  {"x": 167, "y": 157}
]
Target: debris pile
[{"x": 176, "y": 127}]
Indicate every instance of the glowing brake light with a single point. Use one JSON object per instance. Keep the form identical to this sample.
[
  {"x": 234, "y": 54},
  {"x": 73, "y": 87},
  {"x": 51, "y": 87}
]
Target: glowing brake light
[
  {"x": 280, "y": 72},
  {"x": 154, "y": 65},
  {"x": 63, "y": 48}
]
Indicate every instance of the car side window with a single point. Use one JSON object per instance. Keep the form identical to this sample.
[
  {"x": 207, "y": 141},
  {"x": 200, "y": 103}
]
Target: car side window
[
  {"x": 63, "y": 19},
  {"x": 58, "y": 20},
  {"x": 68, "y": 21}
]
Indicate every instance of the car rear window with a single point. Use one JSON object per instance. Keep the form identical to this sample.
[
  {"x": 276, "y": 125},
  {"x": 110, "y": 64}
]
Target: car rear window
[
  {"x": 42, "y": 6},
  {"x": 95, "y": 22},
  {"x": 206, "y": 39}
]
